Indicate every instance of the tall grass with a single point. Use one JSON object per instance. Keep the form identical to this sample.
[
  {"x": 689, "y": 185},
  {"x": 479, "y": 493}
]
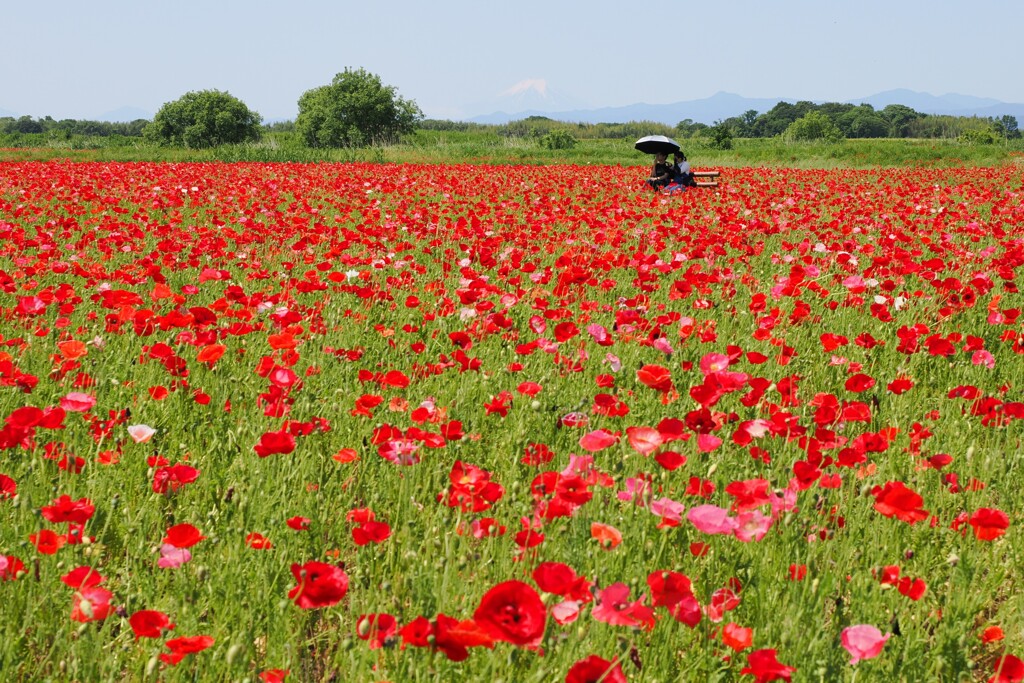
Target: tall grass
[{"x": 484, "y": 146}]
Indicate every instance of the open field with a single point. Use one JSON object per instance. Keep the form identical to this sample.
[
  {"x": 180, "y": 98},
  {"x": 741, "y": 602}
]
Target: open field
[
  {"x": 462, "y": 421},
  {"x": 483, "y": 147}
]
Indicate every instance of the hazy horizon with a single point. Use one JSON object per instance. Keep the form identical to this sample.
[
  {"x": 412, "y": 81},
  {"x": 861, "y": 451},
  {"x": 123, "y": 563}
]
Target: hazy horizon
[{"x": 457, "y": 58}]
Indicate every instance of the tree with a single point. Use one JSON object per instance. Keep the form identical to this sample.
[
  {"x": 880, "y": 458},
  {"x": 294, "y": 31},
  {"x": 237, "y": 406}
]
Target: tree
[
  {"x": 688, "y": 129},
  {"x": 26, "y": 124},
  {"x": 206, "y": 118},
  {"x": 775, "y": 121},
  {"x": 813, "y": 126},
  {"x": 899, "y": 118},
  {"x": 862, "y": 122},
  {"x": 721, "y": 136},
  {"x": 355, "y": 110},
  {"x": 1007, "y": 125}
]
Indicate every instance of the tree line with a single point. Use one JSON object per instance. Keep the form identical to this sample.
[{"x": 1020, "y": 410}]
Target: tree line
[
  {"x": 357, "y": 109},
  {"x": 834, "y": 120},
  {"x": 67, "y": 127}
]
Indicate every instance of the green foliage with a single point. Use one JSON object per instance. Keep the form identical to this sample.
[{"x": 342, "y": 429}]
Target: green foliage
[
  {"x": 559, "y": 139},
  {"x": 68, "y": 127},
  {"x": 202, "y": 119},
  {"x": 978, "y": 137},
  {"x": 1006, "y": 127},
  {"x": 483, "y": 144},
  {"x": 859, "y": 122},
  {"x": 813, "y": 125},
  {"x": 687, "y": 128},
  {"x": 720, "y": 136},
  {"x": 899, "y": 117},
  {"x": 355, "y": 110}
]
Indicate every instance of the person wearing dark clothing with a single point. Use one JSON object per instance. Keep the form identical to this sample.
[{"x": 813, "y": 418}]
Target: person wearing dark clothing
[
  {"x": 661, "y": 173},
  {"x": 682, "y": 174}
]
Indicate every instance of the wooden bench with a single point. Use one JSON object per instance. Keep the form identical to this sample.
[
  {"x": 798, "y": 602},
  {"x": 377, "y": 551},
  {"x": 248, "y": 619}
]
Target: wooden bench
[{"x": 706, "y": 178}]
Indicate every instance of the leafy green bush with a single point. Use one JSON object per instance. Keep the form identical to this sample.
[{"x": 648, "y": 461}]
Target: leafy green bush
[
  {"x": 355, "y": 110},
  {"x": 206, "y": 118},
  {"x": 559, "y": 139},
  {"x": 720, "y": 136},
  {"x": 978, "y": 137},
  {"x": 813, "y": 126}
]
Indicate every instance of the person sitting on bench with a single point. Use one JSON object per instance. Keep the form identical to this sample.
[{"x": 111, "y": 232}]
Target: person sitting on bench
[
  {"x": 681, "y": 172},
  {"x": 661, "y": 174}
]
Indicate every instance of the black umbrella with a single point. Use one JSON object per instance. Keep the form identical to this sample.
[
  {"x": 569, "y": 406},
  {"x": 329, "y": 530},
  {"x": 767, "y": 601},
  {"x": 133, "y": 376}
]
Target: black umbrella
[{"x": 652, "y": 144}]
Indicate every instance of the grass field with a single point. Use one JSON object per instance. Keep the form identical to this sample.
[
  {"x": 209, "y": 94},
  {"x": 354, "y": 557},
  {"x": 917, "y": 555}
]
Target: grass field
[
  {"x": 483, "y": 147},
  {"x": 510, "y": 419}
]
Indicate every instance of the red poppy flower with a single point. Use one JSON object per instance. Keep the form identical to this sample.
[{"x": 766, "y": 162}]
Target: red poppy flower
[
  {"x": 82, "y": 577},
  {"x": 8, "y": 487},
  {"x": 607, "y": 536},
  {"x": 370, "y": 531},
  {"x": 149, "y": 624},
  {"x": 91, "y": 604},
  {"x": 896, "y": 500},
  {"x": 318, "y": 585},
  {"x": 258, "y": 541},
  {"x": 376, "y": 628},
  {"x": 211, "y": 354},
  {"x": 594, "y": 669},
  {"x": 271, "y": 443},
  {"x": 47, "y": 542},
  {"x": 66, "y": 510},
  {"x": 764, "y": 667},
  {"x": 184, "y": 646},
  {"x": 561, "y": 579},
  {"x": 737, "y": 637},
  {"x": 11, "y": 568},
  {"x": 668, "y": 587},
  {"x": 183, "y": 536},
  {"x": 173, "y": 477},
  {"x": 992, "y": 634},
  {"x": 512, "y": 611},
  {"x": 1008, "y": 669},
  {"x": 989, "y": 523},
  {"x": 859, "y": 382},
  {"x": 656, "y": 377}
]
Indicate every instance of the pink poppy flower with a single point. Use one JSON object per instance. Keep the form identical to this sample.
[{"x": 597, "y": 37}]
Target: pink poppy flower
[
  {"x": 566, "y": 612},
  {"x": 141, "y": 433},
  {"x": 711, "y": 519},
  {"x": 597, "y": 440},
  {"x": 983, "y": 357},
  {"x": 77, "y": 402},
  {"x": 863, "y": 641},
  {"x": 752, "y": 525},
  {"x": 644, "y": 440},
  {"x": 172, "y": 557},
  {"x": 613, "y": 607}
]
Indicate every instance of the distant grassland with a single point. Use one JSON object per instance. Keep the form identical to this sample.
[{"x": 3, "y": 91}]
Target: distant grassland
[{"x": 485, "y": 147}]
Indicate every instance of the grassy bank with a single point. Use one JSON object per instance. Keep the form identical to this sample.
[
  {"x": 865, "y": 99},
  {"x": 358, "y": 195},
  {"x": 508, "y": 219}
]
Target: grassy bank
[{"x": 484, "y": 147}]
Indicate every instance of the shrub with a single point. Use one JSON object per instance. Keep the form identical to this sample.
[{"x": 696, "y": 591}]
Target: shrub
[
  {"x": 979, "y": 136},
  {"x": 206, "y": 118},
  {"x": 720, "y": 136},
  {"x": 355, "y": 110},
  {"x": 559, "y": 139},
  {"x": 813, "y": 126}
]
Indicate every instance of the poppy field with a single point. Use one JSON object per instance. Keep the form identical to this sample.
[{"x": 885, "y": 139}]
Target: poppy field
[{"x": 373, "y": 422}]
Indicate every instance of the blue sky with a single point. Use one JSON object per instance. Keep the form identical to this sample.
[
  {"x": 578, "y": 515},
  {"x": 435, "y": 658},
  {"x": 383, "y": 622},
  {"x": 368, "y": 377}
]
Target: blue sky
[{"x": 73, "y": 59}]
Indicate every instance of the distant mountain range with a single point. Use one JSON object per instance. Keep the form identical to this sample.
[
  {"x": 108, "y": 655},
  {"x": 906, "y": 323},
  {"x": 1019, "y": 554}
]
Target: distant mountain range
[
  {"x": 535, "y": 98},
  {"x": 724, "y": 105}
]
